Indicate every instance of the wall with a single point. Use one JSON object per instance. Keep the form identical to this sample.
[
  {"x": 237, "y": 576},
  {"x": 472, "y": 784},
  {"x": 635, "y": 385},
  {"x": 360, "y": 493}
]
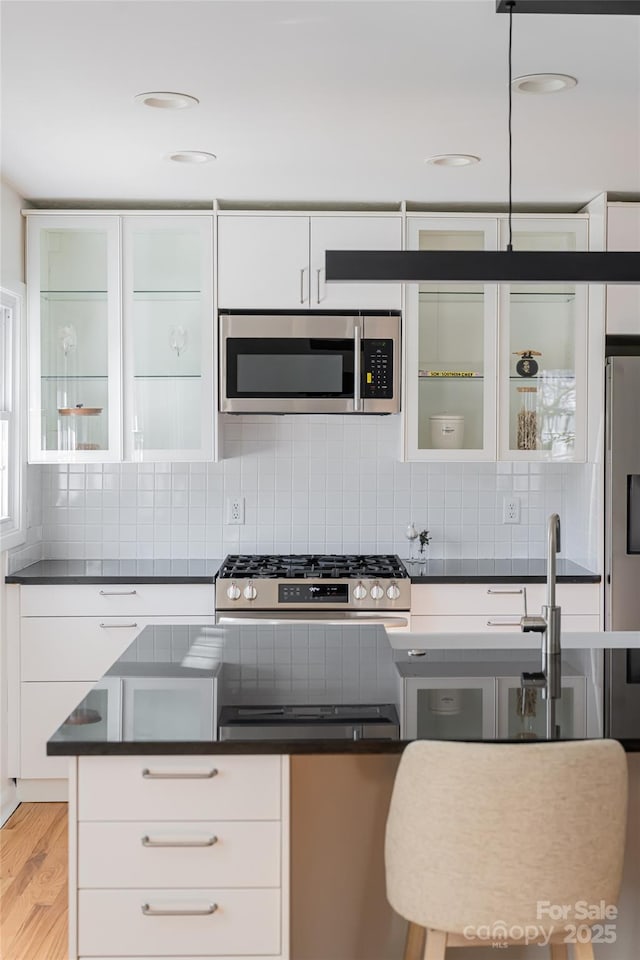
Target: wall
[
  {"x": 330, "y": 484},
  {"x": 12, "y": 278}
]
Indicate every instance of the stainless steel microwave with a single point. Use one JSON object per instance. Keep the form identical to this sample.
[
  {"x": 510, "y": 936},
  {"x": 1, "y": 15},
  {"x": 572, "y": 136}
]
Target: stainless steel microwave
[{"x": 310, "y": 363}]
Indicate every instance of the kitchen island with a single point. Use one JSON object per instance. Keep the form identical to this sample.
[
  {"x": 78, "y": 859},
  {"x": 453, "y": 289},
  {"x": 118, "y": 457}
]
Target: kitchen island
[{"x": 183, "y": 845}]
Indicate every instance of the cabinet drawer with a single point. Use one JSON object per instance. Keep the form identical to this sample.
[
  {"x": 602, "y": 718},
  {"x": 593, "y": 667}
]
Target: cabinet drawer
[
  {"x": 194, "y": 854},
  {"x": 112, "y": 923},
  {"x": 451, "y": 599},
  {"x": 496, "y": 624},
  {"x": 117, "y": 599},
  {"x": 72, "y": 648},
  {"x": 179, "y": 788}
]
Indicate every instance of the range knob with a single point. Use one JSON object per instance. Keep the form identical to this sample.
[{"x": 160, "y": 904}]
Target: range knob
[
  {"x": 250, "y": 592},
  {"x": 376, "y": 591},
  {"x": 233, "y": 592},
  {"x": 359, "y": 591},
  {"x": 393, "y": 591}
]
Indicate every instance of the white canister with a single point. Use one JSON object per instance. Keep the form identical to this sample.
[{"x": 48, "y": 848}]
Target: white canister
[
  {"x": 444, "y": 702},
  {"x": 447, "y": 431}
]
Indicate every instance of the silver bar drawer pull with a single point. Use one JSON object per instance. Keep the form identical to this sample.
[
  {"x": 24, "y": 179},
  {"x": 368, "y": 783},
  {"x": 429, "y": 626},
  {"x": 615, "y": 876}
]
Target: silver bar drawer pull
[
  {"x": 207, "y": 842},
  {"x": 117, "y": 626},
  {"x": 150, "y": 911},
  {"x": 206, "y": 775},
  {"x": 118, "y": 593},
  {"x": 520, "y": 591},
  {"x": 503, "y": 623}
]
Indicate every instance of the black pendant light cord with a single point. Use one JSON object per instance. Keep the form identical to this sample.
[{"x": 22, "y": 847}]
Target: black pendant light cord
[{"x": 510, "y": 4}]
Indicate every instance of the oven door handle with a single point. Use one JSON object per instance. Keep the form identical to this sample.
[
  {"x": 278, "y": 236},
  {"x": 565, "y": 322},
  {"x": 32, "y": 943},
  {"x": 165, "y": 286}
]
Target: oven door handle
[{"x": 390, "y": 623}]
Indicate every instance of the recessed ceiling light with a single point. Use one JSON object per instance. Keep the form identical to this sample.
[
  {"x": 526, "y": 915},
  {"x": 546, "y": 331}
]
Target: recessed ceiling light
[
  {"x": 543, "y": 83},
  {"x": 164, "y": 100},
  {"x": 192, "y": 156},
  {"x": 453, "y": 160}
]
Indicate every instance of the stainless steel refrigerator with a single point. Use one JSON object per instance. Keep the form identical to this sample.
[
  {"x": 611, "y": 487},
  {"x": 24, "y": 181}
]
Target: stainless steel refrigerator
[{"x": 622, "y": 542}]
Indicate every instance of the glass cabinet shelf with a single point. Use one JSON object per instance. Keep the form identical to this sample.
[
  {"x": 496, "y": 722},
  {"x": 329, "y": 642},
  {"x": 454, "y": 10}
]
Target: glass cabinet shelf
[
  {"x": 167, "y": 294},
  {"x": 475, "y": 296},
  {"x": 167, "y": 376}
]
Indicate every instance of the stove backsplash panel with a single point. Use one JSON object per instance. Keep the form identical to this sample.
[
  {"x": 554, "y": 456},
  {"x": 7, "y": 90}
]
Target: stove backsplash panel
[{"x": 311, "y": 484}]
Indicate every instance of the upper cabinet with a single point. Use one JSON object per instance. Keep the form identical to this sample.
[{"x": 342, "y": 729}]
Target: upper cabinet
[
  {"x": 623, "y": 300},
  {"x": 542, "y": 401},
  {"x": 496, "y": 371},
  {"x": 73, "y": 283},
  {"x": 121, "y": 337},
  {"x": 274, "y": 262},
  {"x": 168, "y": 338}
]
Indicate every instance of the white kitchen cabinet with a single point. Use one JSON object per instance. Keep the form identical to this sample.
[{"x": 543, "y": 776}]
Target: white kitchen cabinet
[
  {"x": 455, "y": 332},
  {"x": 523, "y": 715},
  {"x": 543, "y": 416},
  {"x": 173, "y": 856},
  {"x": 188, "y": 708},
  {"x": 73, "y": 297},
  {"x": 623, "y": 300},
  {"x": 449, "y": 708},
  {"x": 69, "y": 635},
  {"x": 168, "y": 337},
  {"x": 96, "y": 304},
  {"x": 451, "y": 344},
  {"x": 45, "y": 706},
  {"x": 497, "y": 608},
  {"x": 277, "y": 262}
]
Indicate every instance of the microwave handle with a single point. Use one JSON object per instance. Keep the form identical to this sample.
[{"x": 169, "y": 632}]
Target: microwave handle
[{"x": 357, "y": 366}]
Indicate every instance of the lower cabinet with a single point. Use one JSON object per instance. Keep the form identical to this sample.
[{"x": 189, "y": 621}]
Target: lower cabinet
[
  {"x": 179, "y": 857},
  {"x": 64, "y": 640},
  {"x": 479, "y": 707}
]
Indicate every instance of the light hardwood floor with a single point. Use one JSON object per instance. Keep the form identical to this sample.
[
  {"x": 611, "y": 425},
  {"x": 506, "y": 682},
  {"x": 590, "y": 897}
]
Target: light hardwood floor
[{"x": 33, "y": 883}]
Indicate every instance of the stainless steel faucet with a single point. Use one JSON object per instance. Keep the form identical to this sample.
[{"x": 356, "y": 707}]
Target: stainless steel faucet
[{"x": 549, "y": 679}]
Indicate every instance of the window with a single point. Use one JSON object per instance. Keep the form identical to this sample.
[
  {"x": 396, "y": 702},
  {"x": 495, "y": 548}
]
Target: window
[{"x": 11, "y": 454}]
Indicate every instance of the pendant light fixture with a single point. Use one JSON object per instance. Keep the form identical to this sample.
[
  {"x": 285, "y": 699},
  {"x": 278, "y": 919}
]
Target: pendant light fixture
[{"x": 491, "y": 266}]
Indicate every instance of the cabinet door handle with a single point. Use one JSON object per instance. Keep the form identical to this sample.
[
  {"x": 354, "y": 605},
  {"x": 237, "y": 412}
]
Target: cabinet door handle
[
  {"x": 118, "y": 593},
  {"x": 416, "y": 653},
  {"x": 491, "y": 590},
  {"x": 302, "y": 296},
  {"x": 117, "y": 626},
  {"x": 503, "y": 623},
  {"x": 148, "y": 842},
  {"x": 318, "y": 272},
  {"x": 207, "y": 775},
  {"x": 150, "y": 911}
]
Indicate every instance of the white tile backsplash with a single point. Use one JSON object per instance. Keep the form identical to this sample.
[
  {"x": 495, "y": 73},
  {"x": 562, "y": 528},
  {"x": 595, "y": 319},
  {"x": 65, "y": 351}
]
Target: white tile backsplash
[{"x": 311, "y": 484}]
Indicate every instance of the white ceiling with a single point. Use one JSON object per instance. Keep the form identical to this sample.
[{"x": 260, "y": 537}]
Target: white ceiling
[{"x": 321, "y": 100}]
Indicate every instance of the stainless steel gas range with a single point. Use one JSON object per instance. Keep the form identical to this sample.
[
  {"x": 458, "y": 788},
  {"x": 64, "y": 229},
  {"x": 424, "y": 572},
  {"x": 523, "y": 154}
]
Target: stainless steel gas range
[{"x": 314, "y": 588}]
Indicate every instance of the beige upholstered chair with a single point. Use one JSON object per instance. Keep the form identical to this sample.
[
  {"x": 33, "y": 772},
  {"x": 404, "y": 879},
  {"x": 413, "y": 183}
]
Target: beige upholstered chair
[{"x": 489, "y": 842}]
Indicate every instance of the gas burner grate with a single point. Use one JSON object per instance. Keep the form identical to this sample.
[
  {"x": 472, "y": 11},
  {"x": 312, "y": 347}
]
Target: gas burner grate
[{"x": 312, "y": 566}]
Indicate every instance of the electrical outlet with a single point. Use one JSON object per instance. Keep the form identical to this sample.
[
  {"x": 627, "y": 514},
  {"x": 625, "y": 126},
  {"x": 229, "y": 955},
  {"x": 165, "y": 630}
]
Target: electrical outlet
[
  {"x": 511, "y": 510},
  {"x": 235, "y": 509}
]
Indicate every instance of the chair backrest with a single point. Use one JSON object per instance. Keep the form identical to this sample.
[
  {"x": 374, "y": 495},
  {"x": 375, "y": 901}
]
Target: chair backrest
[{"x": 480, "y": 833}]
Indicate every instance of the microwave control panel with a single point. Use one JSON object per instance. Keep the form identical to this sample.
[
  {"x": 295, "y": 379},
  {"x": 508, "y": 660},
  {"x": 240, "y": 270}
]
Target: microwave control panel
[{"x": 377, "y": 369}]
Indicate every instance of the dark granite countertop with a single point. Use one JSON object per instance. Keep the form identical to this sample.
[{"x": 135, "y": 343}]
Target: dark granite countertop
[
  {"x": 162, "y": 694},
  {"x": 116, "y": 571},
  {"x": 496, "y": 571}
]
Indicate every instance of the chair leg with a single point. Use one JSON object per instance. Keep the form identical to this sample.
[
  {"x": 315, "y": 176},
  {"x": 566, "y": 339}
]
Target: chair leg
[
  {"x": 559, "y": 951},
  {"x": 414, "y": 944},
  {"x": 436, "y": 945},
  {"x": 583, "y": 951}
]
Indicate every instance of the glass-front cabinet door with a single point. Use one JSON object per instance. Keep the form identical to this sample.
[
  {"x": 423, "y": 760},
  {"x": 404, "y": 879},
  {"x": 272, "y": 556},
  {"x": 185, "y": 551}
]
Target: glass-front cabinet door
[
  {"x": 168, "y": 709},
  {"x": 543, "y": 347},
  {"x": 449, "y": 708},
  {"x": 451, "y": 350},
  {"x": 168, "y": 334},
  {"x": 74, "y": 338},
  {"x": 522, "y": 715}
]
